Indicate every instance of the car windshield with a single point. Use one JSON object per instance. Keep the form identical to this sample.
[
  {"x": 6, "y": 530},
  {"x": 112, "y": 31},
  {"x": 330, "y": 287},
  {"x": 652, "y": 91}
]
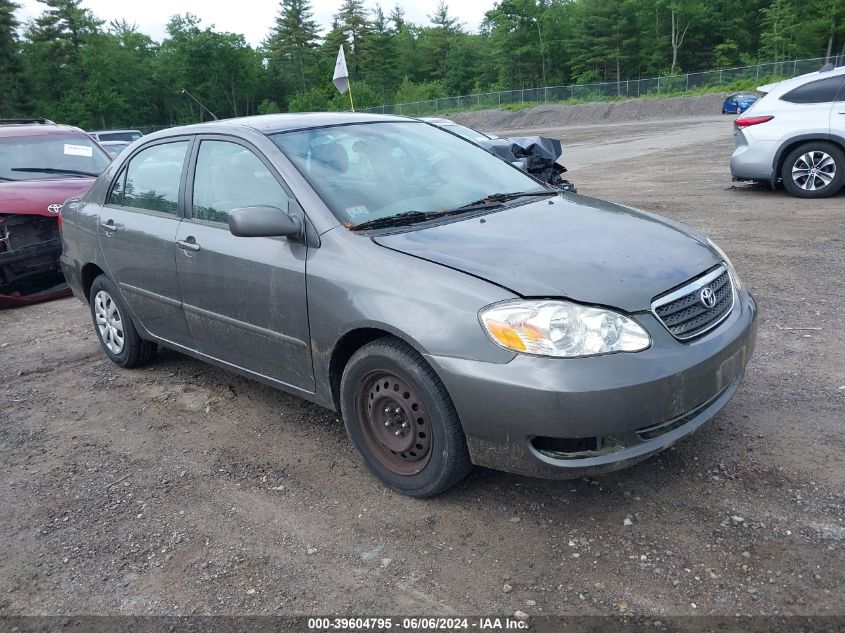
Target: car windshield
[
  {"x": 115, "y": 148},
  {"x": 372, "y": 171},
  {"x": 50, "y": 156},
  {"x": 119, "y": 136}
]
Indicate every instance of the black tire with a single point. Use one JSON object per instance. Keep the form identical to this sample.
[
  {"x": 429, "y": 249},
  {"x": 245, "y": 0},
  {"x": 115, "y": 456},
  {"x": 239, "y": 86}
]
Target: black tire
[
  {"x": 389, "y": 360},
  {"x": 134, "y": 351},
  {"x": 815, "y": 149}
]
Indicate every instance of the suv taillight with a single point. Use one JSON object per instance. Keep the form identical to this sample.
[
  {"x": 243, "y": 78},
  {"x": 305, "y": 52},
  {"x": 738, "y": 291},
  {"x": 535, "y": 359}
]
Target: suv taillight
[{"x": 751, "y": 120}]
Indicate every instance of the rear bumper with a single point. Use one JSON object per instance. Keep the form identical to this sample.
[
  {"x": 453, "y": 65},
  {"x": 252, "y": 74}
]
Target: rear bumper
[
  {"x": 618, "y": 408},
  {"x": 753, "y": 159}
]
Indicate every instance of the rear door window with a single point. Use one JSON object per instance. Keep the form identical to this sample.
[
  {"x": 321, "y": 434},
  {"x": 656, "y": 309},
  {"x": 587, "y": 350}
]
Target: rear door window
[
  {"x": 820, "y": 91},
  {"x": 153, "y": 178}
]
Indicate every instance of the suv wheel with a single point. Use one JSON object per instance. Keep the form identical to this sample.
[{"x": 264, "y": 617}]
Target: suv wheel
[
  {"x": 115, "y": 330},
  {"x": 401, "y": 419},
  {"x": 814, "y": 170}
]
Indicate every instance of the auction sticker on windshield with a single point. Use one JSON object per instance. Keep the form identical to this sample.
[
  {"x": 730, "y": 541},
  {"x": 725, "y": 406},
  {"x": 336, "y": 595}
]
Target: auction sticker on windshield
[{"x": 78, "y": 150}]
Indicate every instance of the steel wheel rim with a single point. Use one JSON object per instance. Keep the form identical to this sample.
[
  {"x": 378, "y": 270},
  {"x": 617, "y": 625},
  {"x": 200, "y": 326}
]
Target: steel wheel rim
[
  {"x": 813, "y": 170},
  {"x": 109, "y": 322},
  {"x": 393, "y": 422}
]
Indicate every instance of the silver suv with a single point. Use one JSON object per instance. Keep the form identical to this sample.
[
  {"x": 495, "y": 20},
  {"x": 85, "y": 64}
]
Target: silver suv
[{"x": 795, "y": 134}]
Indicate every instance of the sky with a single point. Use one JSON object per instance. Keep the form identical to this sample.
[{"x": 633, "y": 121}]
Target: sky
[{"x": 252, "y": 18}]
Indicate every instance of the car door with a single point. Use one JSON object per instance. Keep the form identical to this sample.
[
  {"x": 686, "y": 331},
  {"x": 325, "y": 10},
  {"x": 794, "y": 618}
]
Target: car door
[
  {"x": 244, "y": 298},
  {"x": 137, "y": 234},
  {"x": 837, "y": 114}
]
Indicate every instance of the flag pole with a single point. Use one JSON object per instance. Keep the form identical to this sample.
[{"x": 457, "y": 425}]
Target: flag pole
[{"x": 351, "y": 103}]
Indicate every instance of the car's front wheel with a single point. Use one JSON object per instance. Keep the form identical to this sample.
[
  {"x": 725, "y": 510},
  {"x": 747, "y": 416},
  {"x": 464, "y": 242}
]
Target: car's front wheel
[
  {"x": 814, "y": 170},
  {"x": 401, "y": 419},
  {"x": 115, "y": 329}
]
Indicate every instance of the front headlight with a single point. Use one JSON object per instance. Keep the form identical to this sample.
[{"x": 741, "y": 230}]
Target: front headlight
[
  {"x": 562, "y": 329},
  {"x": 727, "y": 260}
]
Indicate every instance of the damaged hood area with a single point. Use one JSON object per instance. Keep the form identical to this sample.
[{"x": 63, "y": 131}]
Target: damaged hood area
[
  {"x": 567, "y": 247},
  {"x": 32, "y": 197},
  {"x": 538, "y": 155}
]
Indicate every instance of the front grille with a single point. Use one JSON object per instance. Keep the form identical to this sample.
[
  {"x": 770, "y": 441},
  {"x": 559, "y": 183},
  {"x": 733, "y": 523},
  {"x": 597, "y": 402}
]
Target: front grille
[{"x": 684, "y": 312}]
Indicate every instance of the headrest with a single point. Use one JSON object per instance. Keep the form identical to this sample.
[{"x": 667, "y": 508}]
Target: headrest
[
  {"x": 243, "y": 160},
  {"x": 332, "y": 156}
]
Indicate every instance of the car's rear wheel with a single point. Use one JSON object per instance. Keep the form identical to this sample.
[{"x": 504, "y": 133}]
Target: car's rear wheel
[
  {"x": 401, "y": 419},
  {"x": 814, "y": 170},
  {"x": 114, "y": 327}
]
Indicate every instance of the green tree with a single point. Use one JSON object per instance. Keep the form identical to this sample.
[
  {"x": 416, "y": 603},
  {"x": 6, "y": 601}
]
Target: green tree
[
  {"x": 434, "y": 42},
  {"x": 10, "y": 61},
  {"x": 292, "y": 45},
  {"x": 228, "y": 85},
  {"x": 351, "y": 20},
  {"x": 53, "y": 48},
  {"x": 779, "y": 23},
  {"x": 379, "y": 56},
  {"x": 407, "y": 51}
]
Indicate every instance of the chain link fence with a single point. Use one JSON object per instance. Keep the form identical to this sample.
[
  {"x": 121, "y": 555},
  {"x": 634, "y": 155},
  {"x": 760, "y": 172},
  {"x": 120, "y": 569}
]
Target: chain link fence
[{"x": 628, "y": 88}]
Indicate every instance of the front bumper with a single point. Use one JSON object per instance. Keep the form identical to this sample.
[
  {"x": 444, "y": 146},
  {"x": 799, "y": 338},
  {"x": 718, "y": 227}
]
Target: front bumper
[
  {"x": 517, "y": 415},
  {"x": 29, "y": 260}
]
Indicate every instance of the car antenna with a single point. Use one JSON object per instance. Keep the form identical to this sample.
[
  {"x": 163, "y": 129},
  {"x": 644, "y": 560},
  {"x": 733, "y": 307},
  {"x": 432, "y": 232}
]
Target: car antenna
[
  {"x": 827, "y": 68},
  {"x": 185, "y": 92}
]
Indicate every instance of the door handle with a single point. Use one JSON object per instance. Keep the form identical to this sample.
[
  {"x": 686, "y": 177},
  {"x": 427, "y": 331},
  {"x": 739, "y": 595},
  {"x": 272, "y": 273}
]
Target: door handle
[
  {"x": 188, "y": 245},
  {"x": 108, "y": 226}
]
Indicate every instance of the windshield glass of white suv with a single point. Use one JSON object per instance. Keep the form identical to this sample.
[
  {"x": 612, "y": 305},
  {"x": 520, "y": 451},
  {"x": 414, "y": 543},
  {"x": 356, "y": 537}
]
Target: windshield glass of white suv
[
  {"x": 370, "y": 171},
  {"x": 49, "y": 157}
]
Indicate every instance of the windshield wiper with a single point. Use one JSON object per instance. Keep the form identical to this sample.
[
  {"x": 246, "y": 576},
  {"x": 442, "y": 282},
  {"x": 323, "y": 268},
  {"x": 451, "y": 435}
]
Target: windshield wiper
[
  {"x": 400, "y": 219},
  {"x": 410, "y": 217},
  {"x": 53, "y": 170},
  {"x": 500, "y": 198}
]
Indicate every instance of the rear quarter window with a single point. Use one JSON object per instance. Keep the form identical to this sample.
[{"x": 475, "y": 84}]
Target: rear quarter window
[{"x": 819, "y": 91}]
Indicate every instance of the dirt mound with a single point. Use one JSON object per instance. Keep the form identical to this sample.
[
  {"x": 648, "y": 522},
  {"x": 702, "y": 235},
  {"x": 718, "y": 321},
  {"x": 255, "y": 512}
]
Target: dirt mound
[{"x": 558, "y": 115}]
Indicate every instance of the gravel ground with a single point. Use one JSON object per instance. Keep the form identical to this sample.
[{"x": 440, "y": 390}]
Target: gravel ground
[{"x": 182, "y": 489}]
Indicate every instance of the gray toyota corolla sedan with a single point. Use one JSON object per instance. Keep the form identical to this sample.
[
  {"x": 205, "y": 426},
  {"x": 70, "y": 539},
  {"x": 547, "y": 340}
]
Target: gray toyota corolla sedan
[{"x": 451, "y": 307}]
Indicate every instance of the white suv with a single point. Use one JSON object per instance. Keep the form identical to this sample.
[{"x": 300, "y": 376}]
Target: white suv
[{"x": 795, "y": 134}]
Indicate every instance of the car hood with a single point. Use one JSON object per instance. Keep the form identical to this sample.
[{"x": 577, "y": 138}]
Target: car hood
[
  {"x": 32, "y": 197},
  {"x": 570, "y": 246}
]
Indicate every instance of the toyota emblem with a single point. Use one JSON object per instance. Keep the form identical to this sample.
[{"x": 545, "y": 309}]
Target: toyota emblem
[
  {"x": 707, "y": 297},
  {"x": 54, "y": 208}
]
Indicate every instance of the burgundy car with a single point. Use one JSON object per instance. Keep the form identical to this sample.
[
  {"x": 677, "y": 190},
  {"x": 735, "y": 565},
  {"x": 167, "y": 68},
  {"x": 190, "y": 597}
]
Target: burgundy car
[{"x": 41, "y": 165}]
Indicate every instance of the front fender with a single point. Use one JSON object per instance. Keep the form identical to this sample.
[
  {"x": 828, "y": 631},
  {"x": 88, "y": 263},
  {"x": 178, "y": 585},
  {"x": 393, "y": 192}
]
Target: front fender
[{"x": 353, "y": 283}]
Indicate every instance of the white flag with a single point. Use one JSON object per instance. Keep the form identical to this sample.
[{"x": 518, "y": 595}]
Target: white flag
[{"x": 341, "y": 74}]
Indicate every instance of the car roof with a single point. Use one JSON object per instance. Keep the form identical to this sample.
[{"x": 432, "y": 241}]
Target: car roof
[
  {"x": 788, "y": 84},
  {"x": 37, "y": 129},
  {"x": 274, "y": 123},
  {"x": 112, "y": 131}
]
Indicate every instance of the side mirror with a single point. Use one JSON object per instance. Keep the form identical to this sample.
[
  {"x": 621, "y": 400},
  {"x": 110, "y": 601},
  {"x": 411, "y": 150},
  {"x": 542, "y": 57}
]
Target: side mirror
[{"x": 263, "y": 222}]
